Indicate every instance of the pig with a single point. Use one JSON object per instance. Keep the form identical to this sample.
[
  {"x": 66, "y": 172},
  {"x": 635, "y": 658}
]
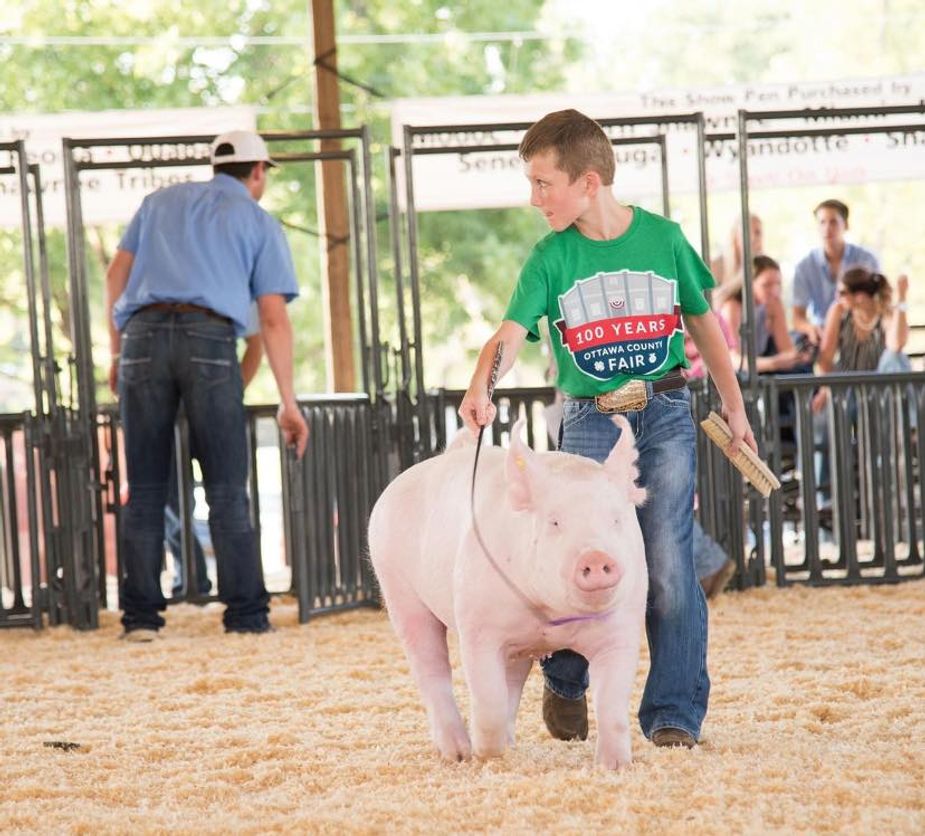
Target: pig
[{"x": 569, "y": 572}]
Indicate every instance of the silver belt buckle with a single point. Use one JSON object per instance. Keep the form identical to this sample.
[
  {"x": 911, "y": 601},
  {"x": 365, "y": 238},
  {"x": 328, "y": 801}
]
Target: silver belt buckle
[{"x": 630, "y": 397}]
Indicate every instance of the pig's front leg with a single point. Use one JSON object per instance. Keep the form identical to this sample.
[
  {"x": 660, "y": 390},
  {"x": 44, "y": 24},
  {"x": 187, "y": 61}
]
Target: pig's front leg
[
  {"x": 612, "y": 675},
  {"x": 486, "y": 675},
  {"x": 517, "y": 672}
]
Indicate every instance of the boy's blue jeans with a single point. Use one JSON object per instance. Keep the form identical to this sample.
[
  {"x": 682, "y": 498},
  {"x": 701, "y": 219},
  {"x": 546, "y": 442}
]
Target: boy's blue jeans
[
  {"x": 190, "y": 357},
  {"x": 678, "y": 685}
]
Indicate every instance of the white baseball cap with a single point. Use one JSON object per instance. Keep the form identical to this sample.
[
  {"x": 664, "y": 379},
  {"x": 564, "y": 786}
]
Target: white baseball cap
[{"x": 246, "y": 147}]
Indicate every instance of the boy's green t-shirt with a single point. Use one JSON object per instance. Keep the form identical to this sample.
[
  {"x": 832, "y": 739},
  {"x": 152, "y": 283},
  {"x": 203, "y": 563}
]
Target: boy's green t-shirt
[{"x": 614, "y": 306}]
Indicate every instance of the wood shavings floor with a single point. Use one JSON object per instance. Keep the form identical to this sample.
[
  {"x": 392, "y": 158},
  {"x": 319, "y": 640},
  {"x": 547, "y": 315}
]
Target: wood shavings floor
[{"x": 817, "y": 724}]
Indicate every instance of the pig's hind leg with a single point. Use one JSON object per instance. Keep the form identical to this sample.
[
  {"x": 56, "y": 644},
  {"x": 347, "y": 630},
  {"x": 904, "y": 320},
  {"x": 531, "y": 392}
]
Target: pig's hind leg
[{"x": 423, "y": 636}]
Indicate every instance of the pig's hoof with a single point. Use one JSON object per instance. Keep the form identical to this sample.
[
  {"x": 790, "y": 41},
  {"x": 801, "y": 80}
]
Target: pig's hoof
[
  {"x": 492, "y": 747},
  {"x": 454, "y": 745},
  {"x": 614, "y": 762},
  {"x": 614, "y": 749}
]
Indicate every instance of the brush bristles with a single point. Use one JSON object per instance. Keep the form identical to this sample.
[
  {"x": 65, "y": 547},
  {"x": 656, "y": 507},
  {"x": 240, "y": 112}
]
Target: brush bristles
[{"x": 746, "y": 461}]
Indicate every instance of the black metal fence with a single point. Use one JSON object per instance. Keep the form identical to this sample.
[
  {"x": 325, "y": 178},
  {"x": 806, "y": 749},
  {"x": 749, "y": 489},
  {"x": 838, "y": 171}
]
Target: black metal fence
[
  {"x": 850, "y": 510},
  {"x": 21, "y": 582},
  {"x": 328, "y": 497},
  {"x": 310, "y": 516}
]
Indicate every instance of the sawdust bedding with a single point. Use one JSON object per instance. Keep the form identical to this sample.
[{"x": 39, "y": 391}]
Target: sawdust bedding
[{"x": 816, "y": 725}]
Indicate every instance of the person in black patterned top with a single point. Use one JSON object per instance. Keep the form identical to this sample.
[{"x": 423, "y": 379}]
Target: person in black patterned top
[{"x": 864, "y": 332}]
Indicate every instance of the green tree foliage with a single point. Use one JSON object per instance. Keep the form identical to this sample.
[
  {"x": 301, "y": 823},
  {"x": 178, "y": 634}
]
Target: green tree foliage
[
  {"x": 149, "y": 57},
  {"x": 666, "y": 44}
]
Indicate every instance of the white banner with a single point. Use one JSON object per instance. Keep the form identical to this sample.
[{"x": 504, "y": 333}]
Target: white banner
[
  {"x": 110, "y": 195},
  {"x": 496, "y": 178}
]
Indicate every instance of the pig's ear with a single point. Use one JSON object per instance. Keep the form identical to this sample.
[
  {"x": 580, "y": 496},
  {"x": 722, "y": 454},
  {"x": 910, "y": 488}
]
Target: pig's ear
[
  {"x": 519, "y": 470},
  {"x": 621, "y": 463}
]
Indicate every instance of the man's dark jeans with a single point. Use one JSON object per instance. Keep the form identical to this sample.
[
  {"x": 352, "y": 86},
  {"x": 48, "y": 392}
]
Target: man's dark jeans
[{"x": 169, "y": 358}]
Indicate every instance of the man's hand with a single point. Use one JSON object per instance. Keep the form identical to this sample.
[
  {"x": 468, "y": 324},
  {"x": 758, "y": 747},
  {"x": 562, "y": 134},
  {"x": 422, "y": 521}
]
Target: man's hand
[
  {"x": 476, "y": 410},
  {"x": 741, "y": 430},
  {"x": 293, "y": 426},
  {"x": 902, "y": 288}
]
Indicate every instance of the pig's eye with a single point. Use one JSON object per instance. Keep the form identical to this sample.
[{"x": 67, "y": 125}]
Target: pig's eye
[{"x": 553, "y": 523}]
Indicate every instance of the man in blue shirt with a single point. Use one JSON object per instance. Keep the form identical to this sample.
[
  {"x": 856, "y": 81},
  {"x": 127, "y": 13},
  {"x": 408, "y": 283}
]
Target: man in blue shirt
[
  {"x": 178, "y": 290},
  {"x": 817, "y": 274}
]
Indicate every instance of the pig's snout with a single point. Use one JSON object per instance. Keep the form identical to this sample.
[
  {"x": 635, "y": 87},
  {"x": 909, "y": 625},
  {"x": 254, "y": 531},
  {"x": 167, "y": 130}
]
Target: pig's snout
[{"x": 596, "y": 570}]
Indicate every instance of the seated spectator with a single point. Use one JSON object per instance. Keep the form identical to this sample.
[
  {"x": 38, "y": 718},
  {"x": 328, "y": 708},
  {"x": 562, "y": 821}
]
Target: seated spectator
[
  {"x": 713, "y": 567},
  {"x": 817, "y": 274},
  {"x": 729, "y": 266},
  {"x": 864, "y": 332},
  {"x": 774, "y": 349}
]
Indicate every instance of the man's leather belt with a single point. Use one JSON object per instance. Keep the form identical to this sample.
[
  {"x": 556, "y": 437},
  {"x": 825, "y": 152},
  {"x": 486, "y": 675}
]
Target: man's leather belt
[
  {"x": 634, "y": 395},
  {"x": 184, "y": 307}
]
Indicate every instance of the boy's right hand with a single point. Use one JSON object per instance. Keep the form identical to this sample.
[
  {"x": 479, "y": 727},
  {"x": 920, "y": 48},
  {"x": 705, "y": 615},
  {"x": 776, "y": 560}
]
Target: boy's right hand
[{"x": 476, "y": 411}]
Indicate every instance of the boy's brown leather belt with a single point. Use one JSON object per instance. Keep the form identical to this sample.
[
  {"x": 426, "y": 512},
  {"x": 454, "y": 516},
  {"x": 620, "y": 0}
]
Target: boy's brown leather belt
[
  {"x": 184, "y": 307},
  {"x": 634, "y": 395}
]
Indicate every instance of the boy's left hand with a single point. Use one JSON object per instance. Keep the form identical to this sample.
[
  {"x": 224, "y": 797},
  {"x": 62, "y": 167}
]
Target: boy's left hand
[{"x": 741, "y": 430}]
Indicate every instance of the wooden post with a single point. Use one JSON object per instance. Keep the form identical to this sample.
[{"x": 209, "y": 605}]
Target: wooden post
[{"x": 332, "y": 209}]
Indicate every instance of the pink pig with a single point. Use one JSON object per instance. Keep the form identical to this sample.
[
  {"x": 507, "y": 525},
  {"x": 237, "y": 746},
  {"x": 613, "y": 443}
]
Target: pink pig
[{"x": 563, "y": 532}]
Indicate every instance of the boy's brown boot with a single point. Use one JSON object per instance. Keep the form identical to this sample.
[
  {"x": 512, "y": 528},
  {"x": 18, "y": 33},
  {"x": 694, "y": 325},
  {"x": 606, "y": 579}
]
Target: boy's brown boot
[
  {"x": 566, "y": 719},
  {"x": 673, "y": 737}
]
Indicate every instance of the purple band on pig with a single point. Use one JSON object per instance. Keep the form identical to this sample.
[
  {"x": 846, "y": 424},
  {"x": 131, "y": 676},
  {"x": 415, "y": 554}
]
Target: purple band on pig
[{"x": 598, "y": 616}]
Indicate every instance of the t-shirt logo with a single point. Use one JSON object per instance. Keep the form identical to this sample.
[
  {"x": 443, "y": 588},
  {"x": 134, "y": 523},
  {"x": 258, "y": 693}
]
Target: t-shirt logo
[{"x": 619, "y": 323}]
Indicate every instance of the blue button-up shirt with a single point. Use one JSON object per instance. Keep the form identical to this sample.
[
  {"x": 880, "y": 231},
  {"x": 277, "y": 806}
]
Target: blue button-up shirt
[
  {"x": 207, "y": 244},
  {"x": 814, "y": 285}
]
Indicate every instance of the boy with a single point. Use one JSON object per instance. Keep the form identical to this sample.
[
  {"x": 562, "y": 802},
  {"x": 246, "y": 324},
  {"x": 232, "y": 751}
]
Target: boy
[{"x": 613, "y": 280}]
